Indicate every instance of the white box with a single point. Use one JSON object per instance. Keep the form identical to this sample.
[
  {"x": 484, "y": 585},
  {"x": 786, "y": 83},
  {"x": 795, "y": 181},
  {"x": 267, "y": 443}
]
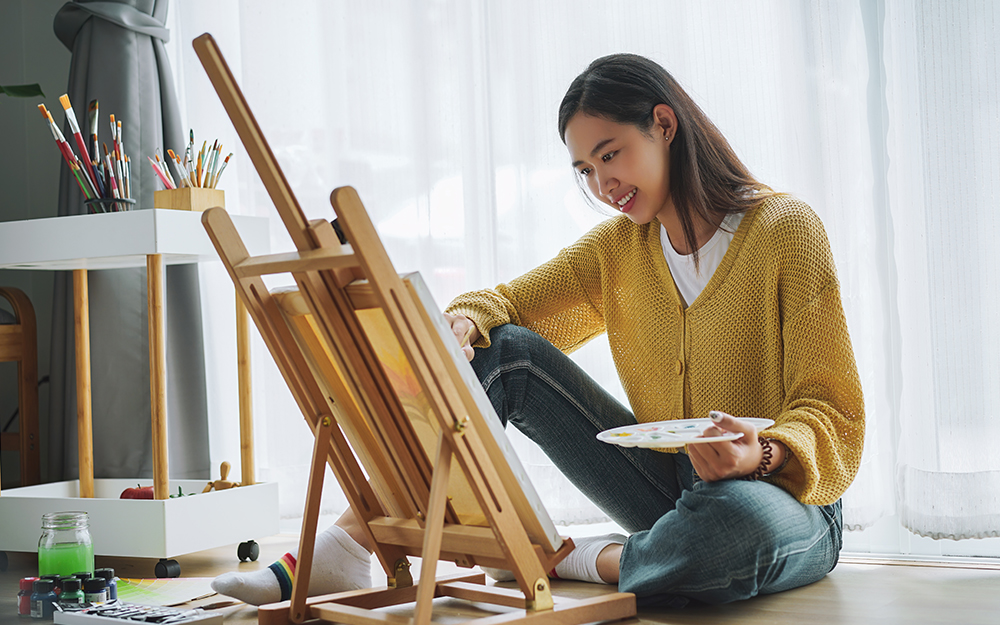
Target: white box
[{"x": 143, "y": 528}]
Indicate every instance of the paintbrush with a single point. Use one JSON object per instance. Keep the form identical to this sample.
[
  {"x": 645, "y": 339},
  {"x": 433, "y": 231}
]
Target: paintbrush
[
  {"x": 112, "y": 183},
  {"x": 162, "y": 165},
  {"x": 75, "y": 127},
  {"x": 221, "y": 169},
  {"x": 175, "y": 162},
  {"x": 213, "y": 160},
  {"x": 94, "y": 106},
  {"x": 64, "y": 149},
  {"x": 160, "y": 175},
  {"x": 465, "y": 339}
]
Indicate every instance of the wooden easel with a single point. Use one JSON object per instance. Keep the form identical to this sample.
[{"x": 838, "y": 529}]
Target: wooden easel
[{"x": 408, "y": 433}]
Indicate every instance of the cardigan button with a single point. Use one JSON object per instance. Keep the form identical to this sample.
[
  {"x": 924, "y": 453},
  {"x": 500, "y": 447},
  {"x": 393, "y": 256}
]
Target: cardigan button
[{"x": 680, "y": 367}]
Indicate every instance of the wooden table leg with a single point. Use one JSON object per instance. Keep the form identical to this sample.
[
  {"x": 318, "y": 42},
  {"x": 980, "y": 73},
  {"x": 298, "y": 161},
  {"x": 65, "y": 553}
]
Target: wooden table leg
[
  {"x": 246, "y": 399},
  {"x": 84, "y": 424},
  {"x": 157, "y": 374}
]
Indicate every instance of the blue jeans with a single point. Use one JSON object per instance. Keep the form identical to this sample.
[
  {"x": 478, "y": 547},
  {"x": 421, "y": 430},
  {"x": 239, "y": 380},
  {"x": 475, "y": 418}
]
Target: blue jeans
[{"x": 711, "y": 542}]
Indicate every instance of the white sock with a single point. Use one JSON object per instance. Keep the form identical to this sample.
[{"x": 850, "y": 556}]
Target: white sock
[
  {"x": 499, "y": 575},
  {"x": 580, "y": 564},
  {"x": 339, "y": 564}
]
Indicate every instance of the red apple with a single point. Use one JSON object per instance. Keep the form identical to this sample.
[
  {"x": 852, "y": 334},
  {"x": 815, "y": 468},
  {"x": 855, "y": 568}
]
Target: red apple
[{"x": 139, "y": 492}]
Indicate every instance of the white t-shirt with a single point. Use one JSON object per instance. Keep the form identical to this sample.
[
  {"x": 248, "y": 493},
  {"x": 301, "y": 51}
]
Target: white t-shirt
[{"x": 691, "y": 282}]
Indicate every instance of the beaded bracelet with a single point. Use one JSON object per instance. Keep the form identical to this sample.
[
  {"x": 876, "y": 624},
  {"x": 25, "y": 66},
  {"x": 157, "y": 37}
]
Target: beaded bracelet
[
  {"x": 765, "y": 444},
  {"x": 788, "y": 454}
]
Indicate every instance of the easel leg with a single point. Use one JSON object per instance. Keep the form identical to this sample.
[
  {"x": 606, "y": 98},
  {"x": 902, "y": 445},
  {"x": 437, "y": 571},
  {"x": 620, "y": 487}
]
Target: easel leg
[
  {"x": 432, "y": 533},
  {"x": 84, "y": 424},
  {"x": 307, "y": 539}
]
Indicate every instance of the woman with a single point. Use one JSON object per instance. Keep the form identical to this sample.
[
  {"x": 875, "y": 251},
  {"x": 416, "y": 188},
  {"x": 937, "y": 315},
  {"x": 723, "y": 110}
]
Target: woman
[{"x": 717, "y": 294}]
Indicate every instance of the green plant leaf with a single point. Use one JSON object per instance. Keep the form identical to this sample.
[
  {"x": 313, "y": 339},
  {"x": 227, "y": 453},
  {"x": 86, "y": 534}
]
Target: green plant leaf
[{"x": 22, "y": 91}]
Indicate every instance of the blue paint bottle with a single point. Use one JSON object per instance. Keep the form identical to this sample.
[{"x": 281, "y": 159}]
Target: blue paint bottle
[
  {"x": 111, "y": 580},
  {"x": 43, "y": 600}
]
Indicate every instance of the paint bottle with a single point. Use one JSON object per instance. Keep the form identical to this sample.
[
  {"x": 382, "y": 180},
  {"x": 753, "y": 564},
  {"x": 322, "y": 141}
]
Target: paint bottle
[
  {"x": 65, "y": 545},
  {"x": 95, "y": 590},
  {"x": 56, "y": 582},
  {"x": 71, "y": 597},
  {"x": 43, "y": 599},
  {"x": 112, "y": 582},
  {"x": 24, "y": 597}
]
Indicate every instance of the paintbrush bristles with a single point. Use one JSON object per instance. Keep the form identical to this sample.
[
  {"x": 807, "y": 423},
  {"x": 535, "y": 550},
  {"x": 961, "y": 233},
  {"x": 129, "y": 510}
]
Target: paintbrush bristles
[{"x": 70, "y": 115}]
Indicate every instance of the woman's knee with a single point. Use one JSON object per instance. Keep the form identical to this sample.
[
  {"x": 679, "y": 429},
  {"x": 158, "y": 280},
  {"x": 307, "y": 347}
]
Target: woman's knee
[
  {"x": 737, "y": 506},
  {"x": 515, "y": 341},
  {"x": 729, "y": 540},
  {"x": 511, "y": 348}
]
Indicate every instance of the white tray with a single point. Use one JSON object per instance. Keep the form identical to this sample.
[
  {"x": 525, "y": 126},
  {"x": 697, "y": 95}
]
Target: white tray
[
  {"x": 675, "y": 433},
  {"x": 143, "y": 528}
]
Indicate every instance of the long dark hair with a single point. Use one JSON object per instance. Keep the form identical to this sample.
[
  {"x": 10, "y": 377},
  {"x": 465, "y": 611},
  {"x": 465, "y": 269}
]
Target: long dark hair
[{"x": 706, "y": 176}]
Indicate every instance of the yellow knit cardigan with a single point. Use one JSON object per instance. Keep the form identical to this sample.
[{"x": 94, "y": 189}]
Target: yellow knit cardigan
[{"x": 766, "y": 338}]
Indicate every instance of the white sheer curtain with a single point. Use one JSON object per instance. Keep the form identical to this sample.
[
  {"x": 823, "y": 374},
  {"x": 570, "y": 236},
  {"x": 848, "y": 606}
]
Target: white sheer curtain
[
  {"x": 944, "y": 185},
  {"x": 442, "y": 114}
]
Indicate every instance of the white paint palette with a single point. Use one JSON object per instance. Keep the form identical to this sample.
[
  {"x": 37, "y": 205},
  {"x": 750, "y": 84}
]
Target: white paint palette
[{"x": 677, "y": 433}]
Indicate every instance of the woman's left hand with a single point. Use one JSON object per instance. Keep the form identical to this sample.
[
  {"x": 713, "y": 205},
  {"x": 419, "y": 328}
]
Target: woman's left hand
[{"x": 727, "y": 460}]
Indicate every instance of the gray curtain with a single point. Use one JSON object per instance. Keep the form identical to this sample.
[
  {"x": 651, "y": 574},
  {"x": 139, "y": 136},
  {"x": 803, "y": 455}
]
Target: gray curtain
[{"x": 119, "y": 59}]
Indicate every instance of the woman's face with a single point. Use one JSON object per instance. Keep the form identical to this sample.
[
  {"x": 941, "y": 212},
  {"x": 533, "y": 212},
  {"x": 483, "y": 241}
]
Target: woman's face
[{"x": 622, "y": 166}]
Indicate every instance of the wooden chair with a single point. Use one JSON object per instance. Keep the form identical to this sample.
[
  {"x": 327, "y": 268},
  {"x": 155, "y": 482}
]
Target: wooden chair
[
  {"x": 397, "y": 414},
  {"x": 19, "y": 343}
]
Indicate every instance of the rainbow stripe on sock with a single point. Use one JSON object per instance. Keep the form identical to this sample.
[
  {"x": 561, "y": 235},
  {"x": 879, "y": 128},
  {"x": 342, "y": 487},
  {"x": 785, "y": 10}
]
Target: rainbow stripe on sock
[{"x": 284, "y": 570}]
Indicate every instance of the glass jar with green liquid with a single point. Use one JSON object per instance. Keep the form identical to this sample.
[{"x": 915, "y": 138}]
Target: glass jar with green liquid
[{"x": 65, "y": 547}]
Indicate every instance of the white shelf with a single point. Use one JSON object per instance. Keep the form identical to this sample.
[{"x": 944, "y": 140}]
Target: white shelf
[
  {"x": 147, "y": 528},
  {"x": 116, "y": 240}
]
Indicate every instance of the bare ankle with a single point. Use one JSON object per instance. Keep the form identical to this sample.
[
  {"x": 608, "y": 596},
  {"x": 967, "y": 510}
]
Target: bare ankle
[
  {"x": 607, "y": 563},
  {"x": 349, "y": 523}
]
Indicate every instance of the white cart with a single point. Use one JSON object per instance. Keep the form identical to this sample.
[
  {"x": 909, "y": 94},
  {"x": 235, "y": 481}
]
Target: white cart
[{"x": 163, "y": 527}]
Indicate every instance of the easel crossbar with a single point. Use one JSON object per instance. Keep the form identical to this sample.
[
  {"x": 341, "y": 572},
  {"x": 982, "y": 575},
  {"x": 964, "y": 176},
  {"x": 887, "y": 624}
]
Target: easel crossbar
[{"x": 309, "y": 260}]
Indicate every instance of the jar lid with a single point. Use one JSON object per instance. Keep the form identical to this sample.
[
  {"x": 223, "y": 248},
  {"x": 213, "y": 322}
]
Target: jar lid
[
  {"x": 71, "y": 584},
  {"x": 94, "y": 584},
  {"x": 82, "y": 575},
  {"x": 42, "y": 586},
  {"x": 55, "y": 579},
  {"x": 26, "y": 582},
  {"x": 108, "y": 574}
]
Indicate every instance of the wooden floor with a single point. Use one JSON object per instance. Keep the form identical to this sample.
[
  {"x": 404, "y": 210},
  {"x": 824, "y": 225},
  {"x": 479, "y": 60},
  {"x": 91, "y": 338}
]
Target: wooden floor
[{"x": 855, "y": 593}]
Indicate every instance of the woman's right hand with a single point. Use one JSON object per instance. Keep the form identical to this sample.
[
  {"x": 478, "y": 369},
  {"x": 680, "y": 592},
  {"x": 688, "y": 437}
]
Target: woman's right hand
[{"x": 465, "y": 332}]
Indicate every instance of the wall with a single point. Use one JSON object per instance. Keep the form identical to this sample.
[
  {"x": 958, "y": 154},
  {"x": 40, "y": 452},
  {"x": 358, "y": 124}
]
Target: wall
[{"x": 29, "y": 171}]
